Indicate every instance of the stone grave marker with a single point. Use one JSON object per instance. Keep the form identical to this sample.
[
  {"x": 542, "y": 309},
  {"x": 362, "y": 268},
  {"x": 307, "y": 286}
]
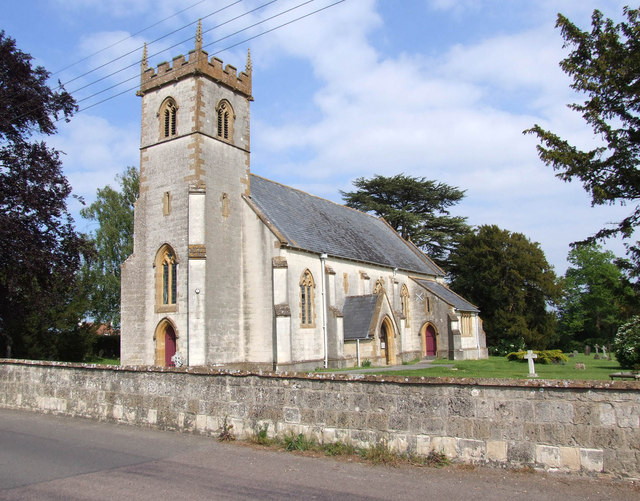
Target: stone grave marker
[{"x": 530, "y": 356}]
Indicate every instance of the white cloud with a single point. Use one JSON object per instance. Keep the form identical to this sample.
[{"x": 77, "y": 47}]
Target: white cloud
[{"x": 95, "y": 151}]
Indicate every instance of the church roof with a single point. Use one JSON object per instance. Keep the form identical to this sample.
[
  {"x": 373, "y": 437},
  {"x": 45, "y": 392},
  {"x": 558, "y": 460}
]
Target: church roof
[
  {"x": 447, "y": 295},
  {"x": 314, "y": 224},
  {"x": 358, "y": 314}
]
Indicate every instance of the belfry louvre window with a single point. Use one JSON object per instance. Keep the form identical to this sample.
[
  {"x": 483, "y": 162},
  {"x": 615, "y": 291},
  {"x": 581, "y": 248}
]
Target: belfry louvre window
[
  {"x": 225, "y": 120},
  {"x": 306, "y": 299},
  {"x": 168, "y": 116}
]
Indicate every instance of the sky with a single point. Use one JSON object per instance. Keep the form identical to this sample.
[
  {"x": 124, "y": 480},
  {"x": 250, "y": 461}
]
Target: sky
[{"x": 440, "y": 89}]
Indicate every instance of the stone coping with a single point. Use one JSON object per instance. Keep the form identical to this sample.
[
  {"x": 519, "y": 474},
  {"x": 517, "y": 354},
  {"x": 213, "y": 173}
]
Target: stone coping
[{"x": 346, "y": 377}]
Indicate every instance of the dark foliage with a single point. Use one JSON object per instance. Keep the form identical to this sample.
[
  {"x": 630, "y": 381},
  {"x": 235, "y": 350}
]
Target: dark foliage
[
  {"x": 40, "y": 248},
  {"x": 508, "y": 277},
  {"x": 417, "y": 208},
  {"x": 605, "y": 66}
]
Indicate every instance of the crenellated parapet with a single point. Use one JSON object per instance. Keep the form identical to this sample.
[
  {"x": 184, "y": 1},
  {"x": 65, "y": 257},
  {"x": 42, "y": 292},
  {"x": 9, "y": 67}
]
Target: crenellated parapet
[{"x": 197, "y": 63}]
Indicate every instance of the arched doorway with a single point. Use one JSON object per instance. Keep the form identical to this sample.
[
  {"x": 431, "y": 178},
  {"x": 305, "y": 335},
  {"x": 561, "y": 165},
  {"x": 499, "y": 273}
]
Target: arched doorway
[
  {"x": 165, "y": 338},
  {"x": 430, "y": 346},
  {"x": 387, "y": 348}
]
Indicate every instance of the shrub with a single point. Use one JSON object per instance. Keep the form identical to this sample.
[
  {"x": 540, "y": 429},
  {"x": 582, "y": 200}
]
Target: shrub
[
  {"x": 505, "y": 346},
  {"x": 627, "y": 344},
  {"x": 544, "y": 357},
  {"x": 366, "y": 364}
]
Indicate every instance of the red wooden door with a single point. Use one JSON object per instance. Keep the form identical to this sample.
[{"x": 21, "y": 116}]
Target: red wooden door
[
  {"x": 169, "y": 346},
  {"x": 430, "y": 340}
]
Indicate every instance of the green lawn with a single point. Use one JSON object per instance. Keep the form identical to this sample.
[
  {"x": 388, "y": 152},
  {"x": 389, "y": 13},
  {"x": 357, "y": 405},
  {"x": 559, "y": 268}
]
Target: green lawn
[
  {"x": 499, "y": 367},
  {"x": 105, "y": 361}
]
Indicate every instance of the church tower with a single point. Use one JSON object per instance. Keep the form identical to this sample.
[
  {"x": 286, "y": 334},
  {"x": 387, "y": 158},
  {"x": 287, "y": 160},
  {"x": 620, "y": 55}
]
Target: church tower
[{"x": 194, "y": 173}]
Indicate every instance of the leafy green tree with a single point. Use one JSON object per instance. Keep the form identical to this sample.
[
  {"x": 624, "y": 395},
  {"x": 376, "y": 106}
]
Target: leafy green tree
[
  {"x": 508, "y": 277},
  {"x": 113, "y": 239},
  {"x": 605, "y": 65},
  {"x": 417, "y": 208},
  {"x": 597, "y": 297},
  {"x": 41, "y": 251}
]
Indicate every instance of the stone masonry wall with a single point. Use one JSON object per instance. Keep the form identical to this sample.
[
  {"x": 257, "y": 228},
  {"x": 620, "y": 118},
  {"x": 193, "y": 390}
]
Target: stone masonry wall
[{"x": 574, "y": 426}]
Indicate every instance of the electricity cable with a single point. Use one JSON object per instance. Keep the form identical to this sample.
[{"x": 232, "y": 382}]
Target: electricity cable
[
  {"x": 226, "y": 48},
  {"x": 127, "y": 38},
  {"x": 210, "y": 43},
  {"x": 161, "y": 51}
]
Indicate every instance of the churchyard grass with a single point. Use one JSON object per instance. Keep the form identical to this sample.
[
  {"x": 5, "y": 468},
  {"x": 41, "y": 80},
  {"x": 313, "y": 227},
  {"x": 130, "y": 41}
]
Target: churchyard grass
[
  {"x": 104, "y": 361},
  {"x": 500, "y": 367}
]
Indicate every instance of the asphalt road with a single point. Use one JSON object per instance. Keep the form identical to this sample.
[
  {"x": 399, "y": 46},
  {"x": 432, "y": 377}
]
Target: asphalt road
[{"x": 51, "y": 457}]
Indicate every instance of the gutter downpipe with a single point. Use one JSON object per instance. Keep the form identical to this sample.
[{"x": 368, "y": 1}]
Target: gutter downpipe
[
  {"x": 323, "y": 258},
  {"x": 358, "y": 350}
]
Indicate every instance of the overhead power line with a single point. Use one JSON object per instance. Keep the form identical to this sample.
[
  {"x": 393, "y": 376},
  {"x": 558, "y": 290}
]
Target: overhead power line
[
  {"x": 127, "y": 38},
  {"x": 140, "y": 47},
  {"x": 163, "y": 50},
  {"x": 206, "y": 45},
  {"x": 224, "y": 49}
]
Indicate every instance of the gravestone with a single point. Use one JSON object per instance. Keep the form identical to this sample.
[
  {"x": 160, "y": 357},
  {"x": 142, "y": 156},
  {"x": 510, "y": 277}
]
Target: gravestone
[
  {"x": 597, "y": 355},
  {"x": 604, "y": 353},
  {"x": 530, "y": 356},
  {"x": 587, "y": 350}
]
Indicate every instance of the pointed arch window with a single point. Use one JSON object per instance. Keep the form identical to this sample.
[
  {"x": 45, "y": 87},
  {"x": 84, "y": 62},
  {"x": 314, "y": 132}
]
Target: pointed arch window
[
  {"x": 404, "y": 300},
  {"x": 166, "y": 265},
  {"x": 307, "y": 313},
  {"x": 226, "y": 118},
  {"x": 168, "y": 118}
]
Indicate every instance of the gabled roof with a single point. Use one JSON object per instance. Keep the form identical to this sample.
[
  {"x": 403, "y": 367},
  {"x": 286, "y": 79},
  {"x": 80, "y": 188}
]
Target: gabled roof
[
  {"x": 317, "y": 225},
  {"x": 359, "y": 314},
  {"x": 447, "y": 295}
]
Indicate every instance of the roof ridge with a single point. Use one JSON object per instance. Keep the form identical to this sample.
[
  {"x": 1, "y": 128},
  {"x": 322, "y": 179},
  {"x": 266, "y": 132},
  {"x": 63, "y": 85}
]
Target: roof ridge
[
  {"x": 377, "y": 218},
  {"x": 418, "y": 279}
]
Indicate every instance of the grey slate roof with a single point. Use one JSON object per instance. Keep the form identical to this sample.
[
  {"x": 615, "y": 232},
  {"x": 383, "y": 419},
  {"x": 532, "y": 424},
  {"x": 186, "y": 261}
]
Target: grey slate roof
[
  {"x": 358, "y": 312},
  {"x": 318, "y": 225},
  {"x": 447, "y": 295}
]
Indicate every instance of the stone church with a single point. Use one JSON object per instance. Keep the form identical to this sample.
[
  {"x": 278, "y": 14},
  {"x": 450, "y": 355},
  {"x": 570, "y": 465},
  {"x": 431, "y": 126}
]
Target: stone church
[{"x": 232, "y": 269}]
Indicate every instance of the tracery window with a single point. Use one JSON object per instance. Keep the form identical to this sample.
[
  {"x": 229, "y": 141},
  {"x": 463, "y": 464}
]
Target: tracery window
[
  {"x": 404, "y": 301},
  {"x": 166, "y": 265},
  {"x": 168, "y": 116},
  {"x": 225, "y": 120},
  {"x": 307, "y": 287}
]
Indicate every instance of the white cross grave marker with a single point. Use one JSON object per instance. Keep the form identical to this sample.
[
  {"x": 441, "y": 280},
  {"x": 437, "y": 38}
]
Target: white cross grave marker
[{"x": 532, "y": 369}]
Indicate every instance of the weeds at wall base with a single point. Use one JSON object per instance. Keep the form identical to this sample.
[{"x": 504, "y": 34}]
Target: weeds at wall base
[
  {"x": 379, "y": 454},
  {"x": 226, "y": 435}
]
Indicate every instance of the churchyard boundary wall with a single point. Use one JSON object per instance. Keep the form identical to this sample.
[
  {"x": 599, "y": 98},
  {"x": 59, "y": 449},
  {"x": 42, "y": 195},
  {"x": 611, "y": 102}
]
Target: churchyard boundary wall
[{"x": 581, "y": 426}]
